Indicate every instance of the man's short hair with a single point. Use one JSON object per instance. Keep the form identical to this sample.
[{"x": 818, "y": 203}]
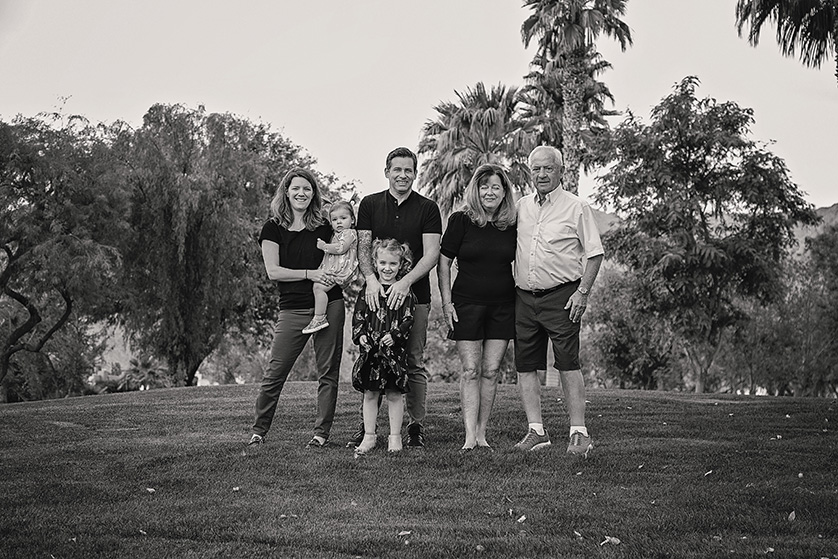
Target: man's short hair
[
  {"x": 401, "y": 152},
  {"x": 554, "y": 152}
]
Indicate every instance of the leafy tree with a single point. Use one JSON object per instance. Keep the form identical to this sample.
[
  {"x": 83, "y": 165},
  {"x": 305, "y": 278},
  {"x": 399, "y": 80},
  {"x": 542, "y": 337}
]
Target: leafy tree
[
  {"x": 629, "y": 343},
  {"x": 483, "y": 126},
  {"x": 707, "y": 216},
  {"x": 566, "y": 32},
  {"x": 808, "y": 28},
  {"x": 200, "y": 186},
  {"x": 59, "y": 212}
]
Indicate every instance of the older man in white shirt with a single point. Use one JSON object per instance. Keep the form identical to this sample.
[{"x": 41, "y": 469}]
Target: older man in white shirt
[{"x": 557, "y": 259}]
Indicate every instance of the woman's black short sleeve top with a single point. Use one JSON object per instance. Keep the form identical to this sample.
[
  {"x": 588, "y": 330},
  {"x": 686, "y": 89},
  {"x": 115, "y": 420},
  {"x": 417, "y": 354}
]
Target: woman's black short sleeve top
[{"x": 298, "y": 250}]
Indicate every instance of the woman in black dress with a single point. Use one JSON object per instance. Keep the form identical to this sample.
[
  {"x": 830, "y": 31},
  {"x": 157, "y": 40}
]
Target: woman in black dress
[
  {"x": 479, "y": 307},
  {"x": 289, "y": 250}
]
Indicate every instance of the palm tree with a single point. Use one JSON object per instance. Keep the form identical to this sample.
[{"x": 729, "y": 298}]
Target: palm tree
[
  {"x": 482, "y": 126},
  {"x": 566, "y": 33},
  {"x": 544, "y": 104},
  {"x": 807, "y": 27}
]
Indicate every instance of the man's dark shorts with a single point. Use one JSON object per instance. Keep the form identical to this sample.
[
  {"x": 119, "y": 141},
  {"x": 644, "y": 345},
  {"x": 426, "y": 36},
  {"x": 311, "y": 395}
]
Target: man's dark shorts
[
  {"x": 484, "y": 322},
  {"x": 542, "y": 316}
]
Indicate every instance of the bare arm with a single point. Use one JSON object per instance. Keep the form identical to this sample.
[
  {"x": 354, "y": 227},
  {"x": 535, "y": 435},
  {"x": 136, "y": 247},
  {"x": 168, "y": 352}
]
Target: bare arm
[
  {"x": 368, "y": 270},
  {"x": 444, "y": 275},
  {"x": 430, "y": 257},
  {"x": 277, "y": 272},
  {"x": 343, "y": 244},
  {"x": 578, "y": 302}
]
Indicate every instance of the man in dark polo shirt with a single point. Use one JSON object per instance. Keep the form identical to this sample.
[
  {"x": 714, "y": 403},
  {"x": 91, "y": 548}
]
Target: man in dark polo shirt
[{"x": 407, "y": 216}]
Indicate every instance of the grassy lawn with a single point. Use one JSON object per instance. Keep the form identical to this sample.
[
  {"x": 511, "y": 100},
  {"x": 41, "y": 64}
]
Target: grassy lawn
[{"x": 166, "y": 474}]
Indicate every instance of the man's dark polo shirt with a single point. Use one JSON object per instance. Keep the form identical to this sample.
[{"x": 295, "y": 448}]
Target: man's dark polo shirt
[{"x": 405, "y": 222}]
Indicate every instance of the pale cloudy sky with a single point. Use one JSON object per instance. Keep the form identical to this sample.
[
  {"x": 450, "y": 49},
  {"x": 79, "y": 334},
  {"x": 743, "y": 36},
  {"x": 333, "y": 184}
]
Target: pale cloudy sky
[{"x": 351, "y": 79}]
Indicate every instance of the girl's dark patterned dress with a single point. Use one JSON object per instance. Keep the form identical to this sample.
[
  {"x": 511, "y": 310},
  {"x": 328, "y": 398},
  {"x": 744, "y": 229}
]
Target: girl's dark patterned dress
[{"x": 379, "y": 367}]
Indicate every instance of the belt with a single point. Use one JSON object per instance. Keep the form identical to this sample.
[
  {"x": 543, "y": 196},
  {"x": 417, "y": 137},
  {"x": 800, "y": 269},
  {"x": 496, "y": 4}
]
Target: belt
[{"x": 542, "y": 292}]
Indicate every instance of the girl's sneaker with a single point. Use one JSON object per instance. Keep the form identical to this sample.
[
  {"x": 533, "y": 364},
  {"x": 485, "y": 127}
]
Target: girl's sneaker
[{"x": 317, "y": 323}]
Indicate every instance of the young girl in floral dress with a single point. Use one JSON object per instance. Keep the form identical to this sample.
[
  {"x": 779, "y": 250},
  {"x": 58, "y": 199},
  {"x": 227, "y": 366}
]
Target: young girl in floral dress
[
  {"x": 340, "y": 260},
  {"x": 382, "y": 338}
]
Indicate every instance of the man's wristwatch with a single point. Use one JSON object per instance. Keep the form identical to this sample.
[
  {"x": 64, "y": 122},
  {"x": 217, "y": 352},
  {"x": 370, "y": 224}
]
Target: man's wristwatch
[{"x": 583, "y": 291}]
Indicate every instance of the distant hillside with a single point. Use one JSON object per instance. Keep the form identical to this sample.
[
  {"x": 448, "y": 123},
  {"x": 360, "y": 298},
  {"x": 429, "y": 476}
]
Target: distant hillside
[{"x": 828, "y": 215}]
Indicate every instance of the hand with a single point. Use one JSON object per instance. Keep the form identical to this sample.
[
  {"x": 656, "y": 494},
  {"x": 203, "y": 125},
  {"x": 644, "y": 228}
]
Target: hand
[
  {"x": 322, "y": 277},
  {"x": 321, "y": 243},
  {"x": 399, "y": 292},
  {"x": 450, "y": 315},
  {"x": 364, "y": 342},
  {"x": 372, "y": 292},
  {"x": 577, "y": 304},
  {"x": 387, "y": 340}
]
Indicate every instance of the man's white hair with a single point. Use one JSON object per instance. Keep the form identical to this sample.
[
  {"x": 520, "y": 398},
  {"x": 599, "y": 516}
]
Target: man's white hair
[{"x": 554, "y": 153}]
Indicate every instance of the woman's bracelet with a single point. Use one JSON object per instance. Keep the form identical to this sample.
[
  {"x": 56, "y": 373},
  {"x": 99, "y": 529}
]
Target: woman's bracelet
[{"x": 447, "y": 304}]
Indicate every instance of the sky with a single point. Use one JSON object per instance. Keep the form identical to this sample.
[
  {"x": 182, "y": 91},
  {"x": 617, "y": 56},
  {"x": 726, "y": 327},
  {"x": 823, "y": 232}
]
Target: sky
[{"x": 349, "y": 80}]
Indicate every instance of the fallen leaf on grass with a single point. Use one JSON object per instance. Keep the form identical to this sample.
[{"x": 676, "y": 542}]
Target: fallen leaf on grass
[
  {"x": 405, "y": 533},
  {"x": 769, "y": 550},
  {"x": 611, "y": 540},
  {"x": 717, "y": 538},
  {"x": 150, "y": 489},
  {"x": 521, "y": 519},
  {"x": 800, "y": 474},
  {"x": 578, "y": 535},
  {"x": 479, "y": 548},
  {"x": 640, "y": 467},
  {"x": 792, "y": 516},
  {"x": 708, "y": 473},
  {"x": 237, "y": 489},
  {"x": 143, "y": 532}
]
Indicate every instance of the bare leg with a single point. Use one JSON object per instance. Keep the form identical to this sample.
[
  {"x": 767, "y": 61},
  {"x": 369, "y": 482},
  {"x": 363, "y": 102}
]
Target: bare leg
[
  {"x": 370, "y": 411},
  {"x": 395, "y": 408},
  {"x": 321, "y": 299},
  {"x": 573, "y": 385},
  {"x": 493, "y": 352},
  {"x": 370, "y": 415},
  {"x": 530, "y": 389},
  {"x": 470, "y": 352}
]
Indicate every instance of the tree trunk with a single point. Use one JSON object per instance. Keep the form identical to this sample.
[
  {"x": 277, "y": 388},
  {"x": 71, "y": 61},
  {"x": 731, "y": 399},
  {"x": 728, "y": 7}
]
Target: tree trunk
[{"x": 573, "y": 80}]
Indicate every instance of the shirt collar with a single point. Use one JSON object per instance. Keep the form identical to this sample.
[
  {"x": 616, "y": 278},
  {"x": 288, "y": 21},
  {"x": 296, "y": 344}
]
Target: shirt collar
[{"x": 395, "y": 201}]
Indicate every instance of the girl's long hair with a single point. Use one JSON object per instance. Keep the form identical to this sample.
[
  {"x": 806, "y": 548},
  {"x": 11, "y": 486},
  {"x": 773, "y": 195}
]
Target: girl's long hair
[
  {"x": 281, "y": 206},
  {"x": 504, "y": 215},
  {"x": 394, "y": 246}
]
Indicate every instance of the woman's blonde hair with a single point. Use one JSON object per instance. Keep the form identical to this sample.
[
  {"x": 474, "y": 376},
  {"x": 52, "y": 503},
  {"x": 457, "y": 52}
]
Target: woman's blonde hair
[
  {"x": 395, "y": 247},
  {"x": 281, "y": 206},
  {"x": 504, "y": 215}
]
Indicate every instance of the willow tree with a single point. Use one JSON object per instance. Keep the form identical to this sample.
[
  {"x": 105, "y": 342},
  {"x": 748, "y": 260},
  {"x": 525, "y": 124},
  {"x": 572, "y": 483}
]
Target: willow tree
[
  {"x": 200, "y": 184},
  {"x": 566, "y": 32}
]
